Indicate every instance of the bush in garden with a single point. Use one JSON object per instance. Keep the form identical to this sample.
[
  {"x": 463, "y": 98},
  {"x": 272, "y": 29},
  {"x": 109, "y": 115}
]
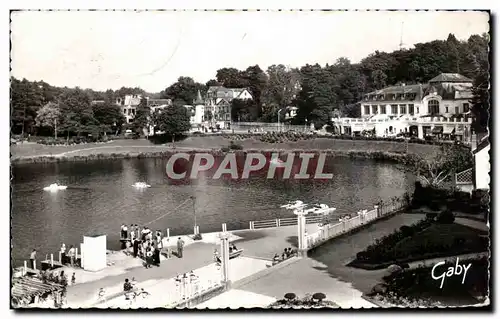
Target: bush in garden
[{"x": 446, "y": 217}]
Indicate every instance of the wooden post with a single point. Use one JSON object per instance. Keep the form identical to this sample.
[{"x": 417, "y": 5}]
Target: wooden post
[
  {"x": 52, "y": 260},
  {"x": 277, "y": 222},
  {"x": 168, "y": 233},
  {"x": 25, "y": 267},
  {"x": 197, "y": 229},
  {"x": 250, "y": 225},
  {"x": 60, "y": 256},
  {"x": 34, "y": 264}
]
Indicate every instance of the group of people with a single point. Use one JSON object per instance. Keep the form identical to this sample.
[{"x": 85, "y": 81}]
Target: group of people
[
  {"x": 287, "y": 253},
  {"x": 68, "y": 257},
  {"x": 147, "y": 244}
]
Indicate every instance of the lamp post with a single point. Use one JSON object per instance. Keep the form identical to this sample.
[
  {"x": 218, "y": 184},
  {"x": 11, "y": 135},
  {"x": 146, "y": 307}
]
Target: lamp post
[
  {"x": 279, "y": 111},
  {"x": 194, "y": 212},
  {"x": 224, "y": 241},
  {"x": 305, "y": 126}
]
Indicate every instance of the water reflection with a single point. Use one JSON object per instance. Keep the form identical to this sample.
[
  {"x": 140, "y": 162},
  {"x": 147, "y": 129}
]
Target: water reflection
[{"x": 100, "y": 198}]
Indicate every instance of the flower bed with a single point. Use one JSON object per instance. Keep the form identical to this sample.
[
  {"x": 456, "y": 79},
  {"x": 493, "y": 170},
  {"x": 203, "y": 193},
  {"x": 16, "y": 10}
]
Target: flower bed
[
  {"x": 317, "y": 300},
  {"x": 417, "y": 288},
  {"x": 423, "y": 240}
]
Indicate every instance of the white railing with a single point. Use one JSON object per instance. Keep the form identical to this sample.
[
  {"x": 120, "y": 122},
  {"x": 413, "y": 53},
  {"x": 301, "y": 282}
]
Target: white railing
[
  {"x": 330, "y": 231},
  {"x": 409, "y": 118},
  {"x": 288, "y": 221}
]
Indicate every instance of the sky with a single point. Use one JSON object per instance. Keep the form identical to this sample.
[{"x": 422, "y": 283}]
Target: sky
[{"x": 151, "y": 49}]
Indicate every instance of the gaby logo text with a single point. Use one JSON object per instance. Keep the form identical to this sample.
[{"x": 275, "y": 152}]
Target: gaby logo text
[
  {"x": 233, "y": 166},
  {"x": 458, "y": 270}
]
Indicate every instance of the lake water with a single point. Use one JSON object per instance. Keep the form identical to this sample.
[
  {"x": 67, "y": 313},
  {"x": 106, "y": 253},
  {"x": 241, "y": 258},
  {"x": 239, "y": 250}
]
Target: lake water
[{"x": 100, "y": 198}]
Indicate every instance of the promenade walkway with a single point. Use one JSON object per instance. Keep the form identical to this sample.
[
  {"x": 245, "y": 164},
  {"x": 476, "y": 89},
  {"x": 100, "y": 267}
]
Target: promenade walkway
[{"x": 259, "y": 248}]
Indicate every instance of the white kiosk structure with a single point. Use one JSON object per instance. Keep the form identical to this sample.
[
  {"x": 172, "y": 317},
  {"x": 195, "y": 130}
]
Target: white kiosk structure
[{"x": 94, "y": 252}]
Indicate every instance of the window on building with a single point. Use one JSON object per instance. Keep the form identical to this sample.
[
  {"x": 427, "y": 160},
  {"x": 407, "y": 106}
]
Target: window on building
[
  {"x": 133, "y": 111},
  {"x": 411, "y": 109},
  {"x": 124, "y": 111},
  {"x": 418, "y": 110},
  {"x": 394, "y": 109},
  {"x": 367, "y": 109},
  {"x": 466, "y": 107},
  {"x": 457, "y": 110},
  {"x": 383, "y": 109},
  {"x": 402, "y": 109},
  {"x": 433, "y": 107},
  {"x": 374, "y": 109}
]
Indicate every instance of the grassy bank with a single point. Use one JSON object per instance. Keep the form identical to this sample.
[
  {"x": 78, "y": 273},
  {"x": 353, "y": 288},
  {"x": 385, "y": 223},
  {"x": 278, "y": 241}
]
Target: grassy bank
[{"x": 380, "y": 150}]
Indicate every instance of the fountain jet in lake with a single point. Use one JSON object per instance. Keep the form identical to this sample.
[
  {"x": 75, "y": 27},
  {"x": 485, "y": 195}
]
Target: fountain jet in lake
[
  {"x": 54, "y": 187},
  {"x": 141, "y": 185}
]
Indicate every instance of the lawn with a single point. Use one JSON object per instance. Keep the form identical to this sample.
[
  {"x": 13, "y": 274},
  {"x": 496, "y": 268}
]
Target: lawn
[
  {"x": 441, "y": 240},
  {"x": 435, "y": 240}
]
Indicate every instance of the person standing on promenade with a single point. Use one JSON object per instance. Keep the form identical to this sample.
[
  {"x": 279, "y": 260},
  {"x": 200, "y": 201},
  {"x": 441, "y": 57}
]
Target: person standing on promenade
[
  {"x": 180, "y": 247},
  {"x": 73, "y": 279},
  {"x": 136, "y": 246},
  {"x": 157, "y": 253},
  {"x": 33, "y": 259},
  {"x": 71, "y": 254},
  {"x": 122, "y": 233},
  {"x": 63, "y": 254}
]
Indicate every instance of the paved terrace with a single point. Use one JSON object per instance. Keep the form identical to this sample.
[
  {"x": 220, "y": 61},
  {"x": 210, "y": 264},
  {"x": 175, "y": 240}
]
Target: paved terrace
[{"x": 259, "y": 248}]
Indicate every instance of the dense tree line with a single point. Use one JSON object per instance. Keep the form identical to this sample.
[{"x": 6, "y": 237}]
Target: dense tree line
[{"x": 317, "y": 91}]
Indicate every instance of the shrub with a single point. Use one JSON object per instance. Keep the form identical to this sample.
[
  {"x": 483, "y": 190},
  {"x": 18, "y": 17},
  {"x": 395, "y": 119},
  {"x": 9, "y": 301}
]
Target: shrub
[
  {"x": 431, "y": 216},
  {"x": 290, "y": 296},
  {"x": 446, "y": 217},
  {"x": 234, "y": 146},
  {"x": 406, "y": 231}
]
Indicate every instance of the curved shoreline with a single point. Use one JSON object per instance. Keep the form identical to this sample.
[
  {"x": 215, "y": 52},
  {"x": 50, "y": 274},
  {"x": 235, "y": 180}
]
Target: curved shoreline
[
  {"x": 374, "y": 155},
  {"x": 120, "y": 149}
]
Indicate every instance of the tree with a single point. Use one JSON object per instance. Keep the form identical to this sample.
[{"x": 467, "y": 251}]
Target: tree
[
  {"x": 282, "y": 87},
  {"x": 142, "y": 117},
  {"x": 435, "y": 170},
  {"x": 231, "y": 78},
  {"x": 212, "y": 82},
  {"x": 26, "y": 99},
  {"x": 256, "y": 80},
  {"x": 77, "y": 114},
  {"x": 108, "y": 117},
  {"x": 244, "y": 110},
  {"x": 48, "y": 116},
  {"x": 172, "y": 121},
  {"x": 481, "y": 97},
  {"x": 184, "y": 89}
]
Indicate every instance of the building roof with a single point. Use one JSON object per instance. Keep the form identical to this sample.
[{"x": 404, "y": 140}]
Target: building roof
[
  {"x": 450, "y": 77},
  {"x": 485, "y": 142},
  {"x": 159, "y": 101},
  {"x": 449, "y": 86},
  {"x": 198, "y": 100},
  {"x": 417, "y": 89}
]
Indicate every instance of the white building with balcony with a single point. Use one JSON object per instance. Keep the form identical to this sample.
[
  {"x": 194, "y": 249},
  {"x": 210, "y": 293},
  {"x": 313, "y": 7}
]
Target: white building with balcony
[
  {"x": 128, "y": 104},
  {"x": 218, "y": 103},
  {"x": 439, "y": 108}
]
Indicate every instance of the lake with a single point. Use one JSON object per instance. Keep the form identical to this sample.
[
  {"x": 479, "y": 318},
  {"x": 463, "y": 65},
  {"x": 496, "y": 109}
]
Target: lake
[{"x": 100, "y": 197}]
